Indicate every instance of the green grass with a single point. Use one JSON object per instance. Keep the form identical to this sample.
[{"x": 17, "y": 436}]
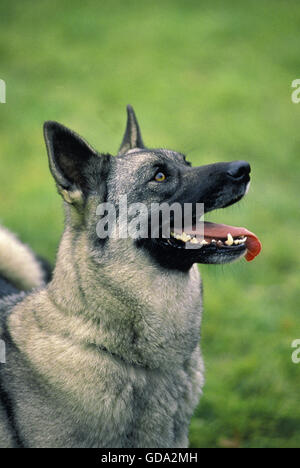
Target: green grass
[{"x": 212, "y": 79}]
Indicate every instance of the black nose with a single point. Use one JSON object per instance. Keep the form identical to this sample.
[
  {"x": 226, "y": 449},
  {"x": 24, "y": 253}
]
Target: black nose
[{"x": 239, "y": 170}]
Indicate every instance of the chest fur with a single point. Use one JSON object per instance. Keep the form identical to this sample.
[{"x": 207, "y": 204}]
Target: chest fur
[{"x": 99, "y": 401}]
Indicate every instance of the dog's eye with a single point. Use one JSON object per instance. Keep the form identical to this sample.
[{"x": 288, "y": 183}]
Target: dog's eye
[{"x": 160, "y": 177}]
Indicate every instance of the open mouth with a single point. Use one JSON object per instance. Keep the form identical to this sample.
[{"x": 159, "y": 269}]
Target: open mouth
[
  {"x": 206, "y": 189},
  {"x": 215, "y": 240}
]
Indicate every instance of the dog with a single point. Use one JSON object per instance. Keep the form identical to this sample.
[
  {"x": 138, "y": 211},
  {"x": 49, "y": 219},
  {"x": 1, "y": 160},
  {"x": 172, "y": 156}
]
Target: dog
[{"x": 107, "y": 354}]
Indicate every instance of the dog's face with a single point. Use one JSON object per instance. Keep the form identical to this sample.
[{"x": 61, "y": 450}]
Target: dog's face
[{"x": 148, "y": 177}]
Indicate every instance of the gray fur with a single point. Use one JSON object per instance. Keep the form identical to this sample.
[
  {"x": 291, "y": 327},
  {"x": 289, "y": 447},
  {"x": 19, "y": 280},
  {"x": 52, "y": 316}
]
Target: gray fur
[
  {"x": 132, "y": 137},
  {"x": 107, "y": 354}
]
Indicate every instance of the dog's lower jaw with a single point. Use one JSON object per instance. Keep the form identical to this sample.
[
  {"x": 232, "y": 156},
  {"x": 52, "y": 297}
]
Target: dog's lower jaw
[
  {"x": 170, "y": 257},
  {"x": 165, "y": 257}
]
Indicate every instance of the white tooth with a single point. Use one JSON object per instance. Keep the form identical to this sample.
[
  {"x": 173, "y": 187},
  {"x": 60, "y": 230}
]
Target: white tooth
[
  {"x": 185, "y": 237},
  {"x": 229, "y": 239},
  {"x": 240, "y": 241},
  {"x": 194, "y": 240}
]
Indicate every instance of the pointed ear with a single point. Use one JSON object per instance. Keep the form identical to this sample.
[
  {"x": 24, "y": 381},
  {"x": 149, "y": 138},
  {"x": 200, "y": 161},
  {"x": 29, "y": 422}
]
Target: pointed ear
[
  {"x": 73, "y": 162},
  {"x": 132, "y": 137}
]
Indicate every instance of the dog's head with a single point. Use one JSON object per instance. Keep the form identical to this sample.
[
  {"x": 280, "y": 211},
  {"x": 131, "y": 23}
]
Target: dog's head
[{"x": 150, "y": 179}]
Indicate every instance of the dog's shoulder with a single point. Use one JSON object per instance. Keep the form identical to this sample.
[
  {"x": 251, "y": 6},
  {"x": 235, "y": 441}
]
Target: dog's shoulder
[{"x": 9, "y": 298}]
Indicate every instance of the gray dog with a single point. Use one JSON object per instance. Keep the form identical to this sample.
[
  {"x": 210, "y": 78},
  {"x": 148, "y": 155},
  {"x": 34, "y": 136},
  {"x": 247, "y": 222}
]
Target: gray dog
[{"x": 107, "y": 355}]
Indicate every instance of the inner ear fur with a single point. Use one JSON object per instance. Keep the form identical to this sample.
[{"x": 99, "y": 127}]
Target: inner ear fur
[{"x": 76, "y": 167}]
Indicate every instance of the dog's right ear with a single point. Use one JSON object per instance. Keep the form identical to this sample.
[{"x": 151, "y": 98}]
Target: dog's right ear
[{"x": 74, "y": 164}]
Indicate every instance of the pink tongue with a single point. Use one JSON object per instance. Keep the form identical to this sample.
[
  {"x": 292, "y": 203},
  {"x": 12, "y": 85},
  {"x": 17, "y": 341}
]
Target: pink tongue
[{"x": 220, "y": 231}]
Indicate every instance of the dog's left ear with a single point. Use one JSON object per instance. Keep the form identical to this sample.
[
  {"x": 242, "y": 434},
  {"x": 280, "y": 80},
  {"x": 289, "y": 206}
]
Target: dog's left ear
[
  {"x": 76, "y": 167},
  {"x": 132, "y": 137}
]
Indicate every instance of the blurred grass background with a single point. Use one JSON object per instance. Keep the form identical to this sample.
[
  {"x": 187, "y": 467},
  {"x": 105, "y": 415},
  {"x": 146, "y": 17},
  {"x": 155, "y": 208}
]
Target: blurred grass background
[{"x": 212, "y": 79}]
